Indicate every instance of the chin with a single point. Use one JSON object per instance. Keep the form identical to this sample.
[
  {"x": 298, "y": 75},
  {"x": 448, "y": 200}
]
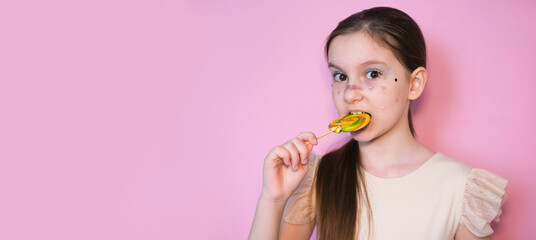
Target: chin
[{"x": 362, "y": 136}]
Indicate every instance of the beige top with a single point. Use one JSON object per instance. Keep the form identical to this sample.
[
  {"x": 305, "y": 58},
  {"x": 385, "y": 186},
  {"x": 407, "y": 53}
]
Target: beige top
[{"x": 428, "y": 203}]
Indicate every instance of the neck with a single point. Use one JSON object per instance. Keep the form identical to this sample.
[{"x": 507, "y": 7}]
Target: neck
[{"x": 393, "y": 154}]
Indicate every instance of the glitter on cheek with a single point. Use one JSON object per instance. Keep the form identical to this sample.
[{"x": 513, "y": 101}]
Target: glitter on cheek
[
  {"x": 383, "y": 107},
  {"x": 370, "y": 87}
]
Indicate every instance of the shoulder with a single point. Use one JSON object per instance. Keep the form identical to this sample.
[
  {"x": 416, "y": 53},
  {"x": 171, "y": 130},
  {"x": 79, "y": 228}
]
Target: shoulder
[
  {"x": 482, "y": 193},
  {"x": 478, "y": 193},
  {"x": 448, "y": 169}
]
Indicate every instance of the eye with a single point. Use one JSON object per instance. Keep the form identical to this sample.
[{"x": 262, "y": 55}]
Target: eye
[
  {"x": 372, "y": 74},
  {"x": 339, "y": 77}
]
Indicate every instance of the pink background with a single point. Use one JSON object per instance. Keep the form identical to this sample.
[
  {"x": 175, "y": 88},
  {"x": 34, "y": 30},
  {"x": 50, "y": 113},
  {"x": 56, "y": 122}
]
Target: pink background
[{"x": 150, "y": 119}]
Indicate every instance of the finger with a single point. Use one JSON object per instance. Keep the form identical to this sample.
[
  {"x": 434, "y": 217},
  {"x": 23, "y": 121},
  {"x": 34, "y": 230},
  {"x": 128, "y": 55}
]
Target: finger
[
  {"x": 294, "y": 155},
  {"x": 308, "y": 137},
  {"x": 282, "y": 153},
  {"x": 303, "y": 150},
  {"x": 310, "y": 148}
]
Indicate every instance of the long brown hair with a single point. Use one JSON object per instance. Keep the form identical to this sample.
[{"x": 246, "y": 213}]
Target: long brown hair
[{"x": 340, "y": 183}]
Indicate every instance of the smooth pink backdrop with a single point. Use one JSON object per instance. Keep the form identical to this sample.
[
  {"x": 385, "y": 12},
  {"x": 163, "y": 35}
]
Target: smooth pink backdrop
[{"x": 150, "y": 119}]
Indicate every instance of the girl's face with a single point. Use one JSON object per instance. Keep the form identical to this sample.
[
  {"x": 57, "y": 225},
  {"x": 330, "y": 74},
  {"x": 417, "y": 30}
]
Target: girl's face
[{"x": 367, "y": 77}]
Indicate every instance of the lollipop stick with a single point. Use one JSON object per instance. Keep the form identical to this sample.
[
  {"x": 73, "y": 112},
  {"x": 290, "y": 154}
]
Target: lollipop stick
[{"x": 321, "y": 136}]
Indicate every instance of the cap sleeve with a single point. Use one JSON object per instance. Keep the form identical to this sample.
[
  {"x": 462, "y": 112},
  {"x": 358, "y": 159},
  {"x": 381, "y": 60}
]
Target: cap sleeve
[
  {"x": 300, "y": 208},
  {"x": 483, "y": 197}
]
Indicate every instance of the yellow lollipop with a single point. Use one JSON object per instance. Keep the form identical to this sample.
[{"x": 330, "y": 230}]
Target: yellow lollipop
[{"x": 348, "y": 123}]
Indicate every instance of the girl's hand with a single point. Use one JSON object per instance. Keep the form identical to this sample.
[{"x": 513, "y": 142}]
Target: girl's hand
[{"x": 285, "y": 167}]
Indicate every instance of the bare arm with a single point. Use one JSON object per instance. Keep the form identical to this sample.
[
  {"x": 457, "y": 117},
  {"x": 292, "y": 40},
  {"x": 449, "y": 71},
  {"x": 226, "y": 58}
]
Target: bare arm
[
  {"x": 267, "y": 219},
  {"x": 268, "y": 224},
  {"x": 285, "y": 166},
  {"x": 464, "y": 234}
]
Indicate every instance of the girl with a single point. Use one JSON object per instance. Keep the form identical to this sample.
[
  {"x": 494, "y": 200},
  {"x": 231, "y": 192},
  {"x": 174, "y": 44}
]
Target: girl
[{"x": 383, "y": 184}]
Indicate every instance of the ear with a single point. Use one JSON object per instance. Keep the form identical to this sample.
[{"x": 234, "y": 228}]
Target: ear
[{"x": 417, "y": 82}]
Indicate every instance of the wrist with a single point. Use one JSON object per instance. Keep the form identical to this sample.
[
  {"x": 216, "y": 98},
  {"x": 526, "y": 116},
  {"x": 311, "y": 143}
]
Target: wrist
[{"x": 267, "y": 199}]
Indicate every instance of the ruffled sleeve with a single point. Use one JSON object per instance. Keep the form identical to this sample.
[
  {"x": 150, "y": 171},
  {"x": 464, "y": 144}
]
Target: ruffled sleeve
[
  {"x": 300, "y": 208},
  {"x": 483, "y": 197}
]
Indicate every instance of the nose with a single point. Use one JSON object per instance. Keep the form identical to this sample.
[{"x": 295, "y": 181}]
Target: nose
[{"x": 353, "y": 93}]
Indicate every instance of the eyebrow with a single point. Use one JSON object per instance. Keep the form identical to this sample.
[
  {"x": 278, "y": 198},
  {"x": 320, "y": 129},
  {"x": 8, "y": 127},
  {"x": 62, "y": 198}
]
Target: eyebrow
[{"x": 370, "y": 62}]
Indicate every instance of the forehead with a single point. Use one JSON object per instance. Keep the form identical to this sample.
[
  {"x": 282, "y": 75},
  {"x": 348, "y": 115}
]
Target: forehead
[{"x": 358, "y": 47}]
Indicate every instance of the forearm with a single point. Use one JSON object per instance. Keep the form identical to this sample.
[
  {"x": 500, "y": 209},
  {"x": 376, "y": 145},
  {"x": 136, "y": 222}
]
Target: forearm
[{"x": 267, "y": 219}]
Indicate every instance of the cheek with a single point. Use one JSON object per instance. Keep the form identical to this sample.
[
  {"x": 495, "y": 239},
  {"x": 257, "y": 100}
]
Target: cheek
[
  {"x": 337, "y": 96},
  {"x": 336, "y": 92},
  {"x": 396, "y": 90},
  {"x": 391, "y": 95}
]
